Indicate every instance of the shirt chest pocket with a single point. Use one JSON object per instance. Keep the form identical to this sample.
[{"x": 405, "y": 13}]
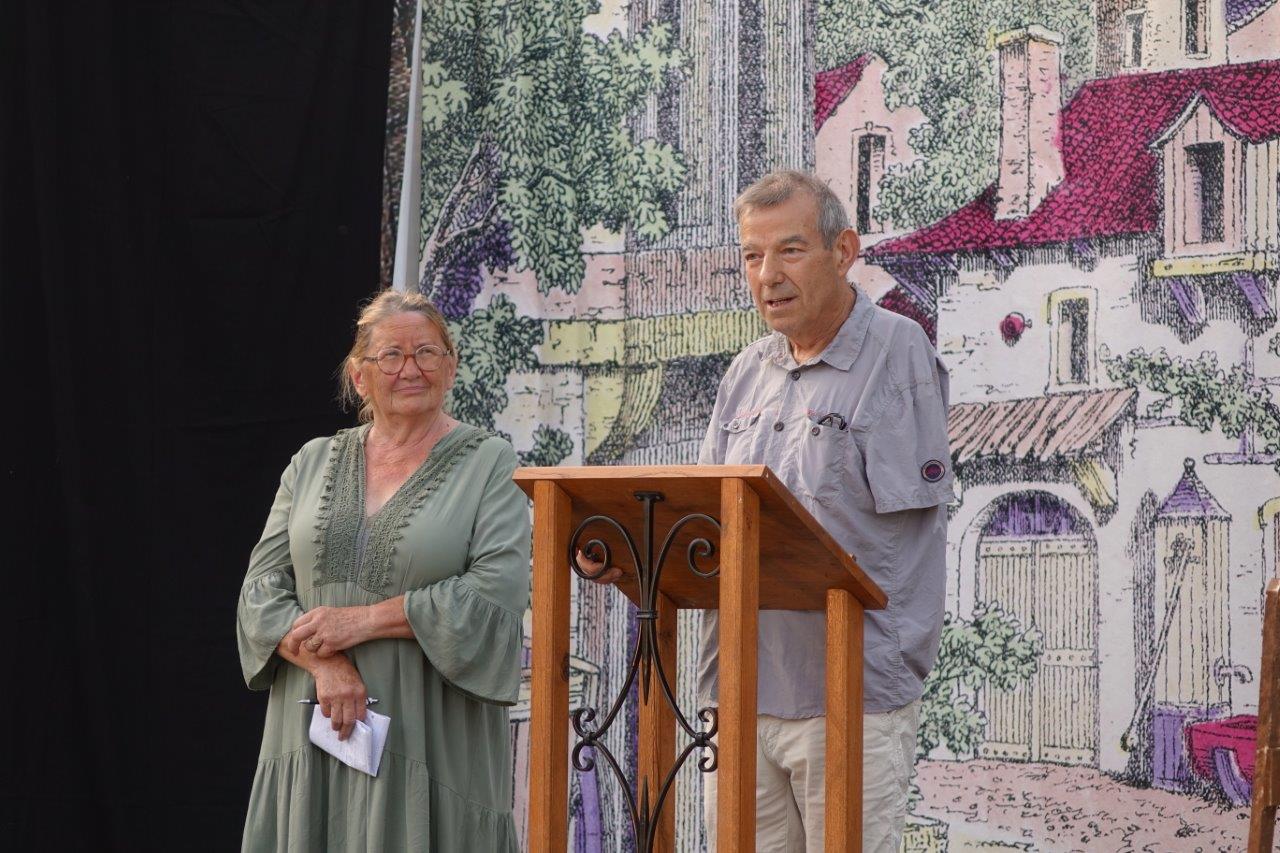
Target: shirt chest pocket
[
  {"x": 824, "y": 455},
  {"x": 741, "y": 437}
]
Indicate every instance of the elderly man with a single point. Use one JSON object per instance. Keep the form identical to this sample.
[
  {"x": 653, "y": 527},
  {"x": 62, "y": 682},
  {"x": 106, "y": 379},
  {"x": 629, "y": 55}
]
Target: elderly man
[{"x": 847, "y": 403}]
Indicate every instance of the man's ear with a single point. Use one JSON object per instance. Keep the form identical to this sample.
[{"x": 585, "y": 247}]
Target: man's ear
[{"x": 847, "y": 247}]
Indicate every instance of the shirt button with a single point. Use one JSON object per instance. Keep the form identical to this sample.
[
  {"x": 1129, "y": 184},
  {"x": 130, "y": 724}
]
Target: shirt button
[
  {"x": 815, "y": 431},
  {"x": 777, "y": 427},
  {"x": 795, "y": 374}
]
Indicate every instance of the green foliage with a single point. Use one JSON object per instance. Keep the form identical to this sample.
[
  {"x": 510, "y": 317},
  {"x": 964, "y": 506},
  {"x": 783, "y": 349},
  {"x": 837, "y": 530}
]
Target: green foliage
[
  {"x": 941, "y": 60},
  {"x": 989, "y": 651},
  {"x": 550, "y": 447},
  {"x": 492, "y": 342},
  {"x": 525, "y": 119},
  {"x": 1201, "y": 394}
]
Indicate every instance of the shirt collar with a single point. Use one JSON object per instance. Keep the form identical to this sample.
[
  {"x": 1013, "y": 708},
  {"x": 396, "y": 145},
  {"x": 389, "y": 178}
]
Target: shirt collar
[{"x": 844, "y": 347}]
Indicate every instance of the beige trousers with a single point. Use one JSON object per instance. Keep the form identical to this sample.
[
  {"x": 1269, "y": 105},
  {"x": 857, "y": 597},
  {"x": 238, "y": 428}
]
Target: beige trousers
[{"x": 790, "y": 764}]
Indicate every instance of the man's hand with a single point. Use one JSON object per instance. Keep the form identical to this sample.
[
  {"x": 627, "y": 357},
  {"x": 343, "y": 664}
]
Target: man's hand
[
  {"x": 340, "y": 692},
  {"x": 325, "y": 631},
  {"x": 595, "y": 569}
]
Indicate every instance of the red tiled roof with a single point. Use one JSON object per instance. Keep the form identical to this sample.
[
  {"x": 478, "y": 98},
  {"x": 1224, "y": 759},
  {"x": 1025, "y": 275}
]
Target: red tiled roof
[
  {"x": 831, "y": 87},
  {"x": 1067, "y": 424},
  {"x": 1254, "y": 117},
  {"x": 1111, "y": 186},
  {"x": 897, "y": 301}
]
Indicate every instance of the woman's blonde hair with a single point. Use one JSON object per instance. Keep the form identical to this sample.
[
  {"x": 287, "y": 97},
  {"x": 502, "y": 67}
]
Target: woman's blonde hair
[{"x": 386, "y": 304}]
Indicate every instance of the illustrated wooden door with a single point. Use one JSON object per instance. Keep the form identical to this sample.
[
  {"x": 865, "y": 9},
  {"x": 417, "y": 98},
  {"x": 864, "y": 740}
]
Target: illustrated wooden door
[{"x": 1051, "y": 584}]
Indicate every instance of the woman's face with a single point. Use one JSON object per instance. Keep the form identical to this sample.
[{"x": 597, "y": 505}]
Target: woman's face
[{"x": 412, "y": 392}]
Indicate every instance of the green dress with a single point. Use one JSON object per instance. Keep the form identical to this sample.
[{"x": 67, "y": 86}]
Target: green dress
[{"x": 455, "y": 541}]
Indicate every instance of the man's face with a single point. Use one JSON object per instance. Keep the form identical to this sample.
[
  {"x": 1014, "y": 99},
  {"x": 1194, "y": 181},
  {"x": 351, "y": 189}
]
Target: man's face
[{"x": 797, "y": 282}]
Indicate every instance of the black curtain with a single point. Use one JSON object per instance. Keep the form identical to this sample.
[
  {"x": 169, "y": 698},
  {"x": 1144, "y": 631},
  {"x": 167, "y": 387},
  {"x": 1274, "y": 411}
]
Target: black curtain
[{"x": 189, "y": 214}]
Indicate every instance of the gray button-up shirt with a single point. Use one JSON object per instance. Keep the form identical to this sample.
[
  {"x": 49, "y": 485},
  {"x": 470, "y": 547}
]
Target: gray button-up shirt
[{"x": 859, "y": 435}]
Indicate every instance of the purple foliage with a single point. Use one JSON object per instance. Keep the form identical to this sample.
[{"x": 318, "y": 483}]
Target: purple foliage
[
  {"x": 1241, "y": 12},
  {"x": 462, "y": 278}
]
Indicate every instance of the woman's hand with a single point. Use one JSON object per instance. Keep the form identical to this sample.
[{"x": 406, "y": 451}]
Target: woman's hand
[
  {"x": 341, "y": 693},
  {"x": 325, "y": 631},
  {"x": 595, "y": 569}
]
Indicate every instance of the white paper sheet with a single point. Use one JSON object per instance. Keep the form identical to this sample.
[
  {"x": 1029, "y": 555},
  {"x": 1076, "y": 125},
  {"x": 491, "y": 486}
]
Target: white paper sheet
[{"x": 362, "y": 750}]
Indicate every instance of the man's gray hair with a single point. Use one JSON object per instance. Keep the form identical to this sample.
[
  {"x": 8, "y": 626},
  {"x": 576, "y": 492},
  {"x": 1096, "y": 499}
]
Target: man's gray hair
[{"x": 776, "y": 187}]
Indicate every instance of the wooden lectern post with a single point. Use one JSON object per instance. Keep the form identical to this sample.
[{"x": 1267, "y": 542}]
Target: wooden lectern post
[
  {"x": 772, "y": 555},
  {"x": 549, "y": 702},
  {"x": 1266, "y": 766},
  {"x": 739, "y": 609}
]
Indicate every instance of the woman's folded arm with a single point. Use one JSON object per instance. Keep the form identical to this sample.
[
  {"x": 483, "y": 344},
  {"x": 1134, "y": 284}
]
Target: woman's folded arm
[
  {"x": 268, "y": 603},
  {"x": 471, "y": 626}
]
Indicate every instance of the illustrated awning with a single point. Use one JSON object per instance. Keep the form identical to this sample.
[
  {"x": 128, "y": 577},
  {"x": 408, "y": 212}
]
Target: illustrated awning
[{"x": 1067, "y": 425}]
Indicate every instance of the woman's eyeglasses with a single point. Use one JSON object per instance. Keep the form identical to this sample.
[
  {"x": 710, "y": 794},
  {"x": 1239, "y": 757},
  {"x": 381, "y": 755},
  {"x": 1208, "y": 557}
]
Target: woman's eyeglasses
[{"x": 428, "y": 357}]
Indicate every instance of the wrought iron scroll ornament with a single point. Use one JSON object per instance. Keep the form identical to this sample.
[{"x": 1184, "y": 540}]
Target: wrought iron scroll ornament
[{"x": 644, "y": 660}]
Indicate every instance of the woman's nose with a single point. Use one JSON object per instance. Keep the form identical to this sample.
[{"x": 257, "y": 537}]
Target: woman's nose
[{"x": 410, "y": 370}]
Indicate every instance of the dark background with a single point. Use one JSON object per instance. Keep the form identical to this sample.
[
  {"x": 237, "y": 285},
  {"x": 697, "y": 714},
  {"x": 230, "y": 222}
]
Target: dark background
[{"x": 189, "y": 214}]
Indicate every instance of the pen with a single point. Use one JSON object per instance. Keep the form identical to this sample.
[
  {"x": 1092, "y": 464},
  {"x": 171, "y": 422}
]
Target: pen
[
  {"x": 827, "y": 420},
  {"x": 367, "y": 702}
]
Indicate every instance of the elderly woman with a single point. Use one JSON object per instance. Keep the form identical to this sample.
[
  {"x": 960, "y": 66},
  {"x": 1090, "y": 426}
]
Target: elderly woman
[{"x": 394, "y": 565}]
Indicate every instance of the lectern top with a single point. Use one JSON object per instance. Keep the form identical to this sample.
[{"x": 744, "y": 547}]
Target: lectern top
[{"x": 799, "y": 560}]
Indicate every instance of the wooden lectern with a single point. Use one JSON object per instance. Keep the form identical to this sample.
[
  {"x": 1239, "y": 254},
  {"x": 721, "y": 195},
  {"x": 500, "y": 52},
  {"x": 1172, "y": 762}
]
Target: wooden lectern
[{"x": 772, "y": 555}]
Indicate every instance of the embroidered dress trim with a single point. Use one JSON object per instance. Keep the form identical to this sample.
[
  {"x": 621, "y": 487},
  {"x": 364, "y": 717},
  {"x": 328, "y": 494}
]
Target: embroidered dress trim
[{"x": 342, "y": 506}]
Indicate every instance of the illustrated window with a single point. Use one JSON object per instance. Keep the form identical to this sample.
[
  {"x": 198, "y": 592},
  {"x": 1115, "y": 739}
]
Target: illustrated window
[
  {"x": 870, "y": 170},
  {"x": 1204, "y": 193},
  {"x": 1133, "y": 39},
  {"x": 1072, "y": 361},
  {"x": 1195, "y": 18}
]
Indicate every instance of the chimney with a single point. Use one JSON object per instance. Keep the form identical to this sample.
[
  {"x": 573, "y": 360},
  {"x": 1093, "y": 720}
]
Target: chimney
[{"x": 1030, "y": 102}]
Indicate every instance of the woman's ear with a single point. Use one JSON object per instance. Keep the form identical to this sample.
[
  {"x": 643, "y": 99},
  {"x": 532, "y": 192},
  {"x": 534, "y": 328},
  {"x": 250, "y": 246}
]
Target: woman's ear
[
  {"x": 453, "y": 373},
  {"x": 357, "y": 378}
]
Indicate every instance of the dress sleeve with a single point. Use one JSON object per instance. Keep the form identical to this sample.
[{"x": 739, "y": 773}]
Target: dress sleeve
[
  {"x": 268, "y": 600},
  {"x": 471, "y": 626}
]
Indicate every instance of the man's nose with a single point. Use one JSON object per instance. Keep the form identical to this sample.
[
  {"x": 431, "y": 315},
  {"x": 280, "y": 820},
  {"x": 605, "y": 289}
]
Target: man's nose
[{"x": 770, "y": 269}]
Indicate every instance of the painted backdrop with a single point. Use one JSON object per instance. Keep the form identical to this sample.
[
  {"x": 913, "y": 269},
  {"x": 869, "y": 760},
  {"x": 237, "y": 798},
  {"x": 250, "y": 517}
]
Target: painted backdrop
[{"x": 1080, "y": 203}]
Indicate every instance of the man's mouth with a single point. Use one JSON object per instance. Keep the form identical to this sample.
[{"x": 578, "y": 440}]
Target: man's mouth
[{"x": 778, "y": 303}]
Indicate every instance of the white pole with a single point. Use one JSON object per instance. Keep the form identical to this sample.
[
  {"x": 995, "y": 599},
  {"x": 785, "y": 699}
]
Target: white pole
[{"x": 405, "y": 273}]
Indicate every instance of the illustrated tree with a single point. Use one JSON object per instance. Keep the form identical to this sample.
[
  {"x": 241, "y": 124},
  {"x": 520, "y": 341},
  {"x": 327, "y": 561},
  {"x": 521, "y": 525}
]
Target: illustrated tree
[
  {"x": 940, "y": 57},
  {"x": 479, "y": 391},
  {"x": 989, "y": 651},
  {"x": 526, "y": 139},
  {"x": 1201, "y": 394},
  {"x": 526, "y": 146}
]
